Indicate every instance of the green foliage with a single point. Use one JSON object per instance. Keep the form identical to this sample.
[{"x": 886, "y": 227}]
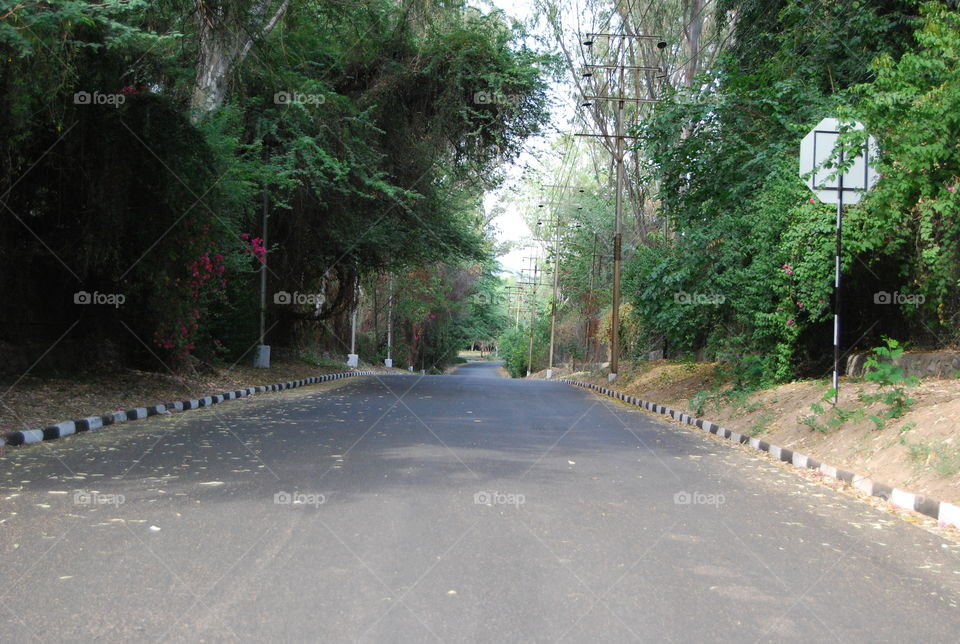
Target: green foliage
[
  {"x": 747, "y": 269},
  {"x": 882, "y": 370},
  {"x": 733, "y": 384},
  {"x": 892, "y": 382},
  {"x": 813, "y": 423},
  {"x": 514, "y": 347},
  {"x": 909, "y": 222},
  {"x": 380, "y": 168}
]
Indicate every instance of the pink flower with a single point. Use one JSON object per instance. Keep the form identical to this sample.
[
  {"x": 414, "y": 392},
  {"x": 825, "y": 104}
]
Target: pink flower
[
  {"x": 812, "y": 200},
  {"x": 951, "y": 188},
  {"x": 789, "y": 272},
  {"x": 789, "y": 322},
  {"x": 800, "y": 304}
]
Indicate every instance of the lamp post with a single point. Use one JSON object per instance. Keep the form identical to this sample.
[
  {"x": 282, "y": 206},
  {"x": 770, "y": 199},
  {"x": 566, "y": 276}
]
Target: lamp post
[
  {"x": 261, "y": 358},
  {"x": 353, "y": 360},
  {"x": 388, "y": 362}
]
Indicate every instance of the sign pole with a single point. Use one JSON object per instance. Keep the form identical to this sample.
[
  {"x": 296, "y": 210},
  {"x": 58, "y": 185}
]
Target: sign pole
[
  {"x": 816, "y": 148},
  {"x": 836, "y": 289}
]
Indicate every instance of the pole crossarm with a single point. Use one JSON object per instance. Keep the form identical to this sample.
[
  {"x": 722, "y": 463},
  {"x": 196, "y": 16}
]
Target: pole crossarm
[
  {"x": 609, "y": 35},
  {"x": 648, "y": 68},
  {"x": 608, "y": 136},
  {"x": 625, "y": 99}
]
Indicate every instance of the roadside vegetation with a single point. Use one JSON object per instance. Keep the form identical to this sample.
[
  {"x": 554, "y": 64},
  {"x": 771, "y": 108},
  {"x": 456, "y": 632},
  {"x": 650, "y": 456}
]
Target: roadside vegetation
[
  {"x": 728, "y": 257},
  {"x": 142, "y": 144}
]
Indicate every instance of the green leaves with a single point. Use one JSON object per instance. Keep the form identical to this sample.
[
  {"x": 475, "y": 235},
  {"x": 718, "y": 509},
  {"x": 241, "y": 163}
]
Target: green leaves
[{"x": 724, "y": 155}]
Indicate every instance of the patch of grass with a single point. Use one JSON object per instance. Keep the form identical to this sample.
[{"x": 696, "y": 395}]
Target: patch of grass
[
  {"x": 325, "y": 362},
  {"x": 811, "y": 422},
  {"x": 699, "y": 402},
  {"x": 762, "y": 424},
  {"x": 940, "y": 456}
]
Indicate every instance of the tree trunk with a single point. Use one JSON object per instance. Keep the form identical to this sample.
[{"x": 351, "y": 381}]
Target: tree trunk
[
  {"x": 693, "y": 40},
  {"x": 226, "y": 31}
]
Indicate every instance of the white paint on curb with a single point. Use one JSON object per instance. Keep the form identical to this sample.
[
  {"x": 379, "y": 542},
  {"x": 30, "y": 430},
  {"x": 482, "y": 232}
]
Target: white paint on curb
[
  {"x": 66, "y": 428},
  {"x": 902, "y": 499},
  {"x": 32, "y": 436},
  {"x": 949, "y": 514}
]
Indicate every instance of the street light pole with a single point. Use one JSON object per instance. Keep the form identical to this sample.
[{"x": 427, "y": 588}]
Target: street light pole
[
  {"x": 261, "y": 358},
  {"x": 389, "y": 360},
  {"x": 353, "y": 360}
]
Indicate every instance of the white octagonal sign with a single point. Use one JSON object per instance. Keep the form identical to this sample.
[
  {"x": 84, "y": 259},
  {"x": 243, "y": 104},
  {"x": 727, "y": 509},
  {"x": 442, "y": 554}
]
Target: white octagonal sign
[{"x": 818, "y": 150}]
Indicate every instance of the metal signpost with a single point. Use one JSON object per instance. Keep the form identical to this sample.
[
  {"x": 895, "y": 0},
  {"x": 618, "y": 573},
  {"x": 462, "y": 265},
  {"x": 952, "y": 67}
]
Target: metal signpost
[{"x": 819, "y": 159}]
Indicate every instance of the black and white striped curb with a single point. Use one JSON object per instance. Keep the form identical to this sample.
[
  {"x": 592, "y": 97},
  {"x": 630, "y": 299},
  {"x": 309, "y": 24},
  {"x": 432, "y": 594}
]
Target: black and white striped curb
[
  {"x": 69, "y": 427},
  {"x": 945, "y": 513}
]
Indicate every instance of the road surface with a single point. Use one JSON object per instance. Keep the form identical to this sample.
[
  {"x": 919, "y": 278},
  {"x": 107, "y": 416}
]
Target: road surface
[{"x": 460, "y": 508}]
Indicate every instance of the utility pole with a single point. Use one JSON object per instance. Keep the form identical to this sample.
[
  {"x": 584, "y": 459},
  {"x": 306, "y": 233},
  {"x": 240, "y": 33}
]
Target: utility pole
[
  {"x": 617, "y": 245},
  {"x": 516, "y": 298},
  {"x": 556, "y": 278},
  {"x": 553, "y": 300},
  {"x": 533, "y": 311},
  {"x": 619, "y": 136}
]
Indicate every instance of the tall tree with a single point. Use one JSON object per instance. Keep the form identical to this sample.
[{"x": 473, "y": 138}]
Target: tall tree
[{"x": 225, "y": 31}]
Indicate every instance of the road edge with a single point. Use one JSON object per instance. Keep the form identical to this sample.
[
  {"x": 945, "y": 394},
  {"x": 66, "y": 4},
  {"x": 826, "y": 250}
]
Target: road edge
[
  {"x": 946, "y": 514},
  {"x": 90, "y": 423}
]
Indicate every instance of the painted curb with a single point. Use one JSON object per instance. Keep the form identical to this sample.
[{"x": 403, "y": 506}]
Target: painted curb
[
  {"x": 945, "y": 513},
  {"x": 68, "y": 427}
]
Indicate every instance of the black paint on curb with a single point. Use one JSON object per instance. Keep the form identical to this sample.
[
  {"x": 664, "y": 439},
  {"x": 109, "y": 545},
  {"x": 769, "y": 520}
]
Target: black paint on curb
[
  {"x": 945, "y": 513},
  {"x": 68, "y": 427}
]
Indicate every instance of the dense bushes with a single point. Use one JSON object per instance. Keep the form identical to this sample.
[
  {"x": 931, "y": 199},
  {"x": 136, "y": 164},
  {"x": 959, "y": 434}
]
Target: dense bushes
[
  {"x": 371, "y": 152},
  {"x": 748, "y": 243}
]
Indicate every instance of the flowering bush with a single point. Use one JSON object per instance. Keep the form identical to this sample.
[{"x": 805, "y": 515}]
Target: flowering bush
[{"x": 204, "y": 282}]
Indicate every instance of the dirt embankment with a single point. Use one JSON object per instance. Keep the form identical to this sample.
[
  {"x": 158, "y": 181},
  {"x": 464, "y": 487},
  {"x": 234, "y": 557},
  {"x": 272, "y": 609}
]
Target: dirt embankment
[
  {"x": 31, "y": 403},
  {"x": 918, "y": 452}
]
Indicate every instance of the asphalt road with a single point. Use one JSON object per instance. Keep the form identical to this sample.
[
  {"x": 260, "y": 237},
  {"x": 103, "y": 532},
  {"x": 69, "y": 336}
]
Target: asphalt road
[{"x": 461, "y": 508}]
